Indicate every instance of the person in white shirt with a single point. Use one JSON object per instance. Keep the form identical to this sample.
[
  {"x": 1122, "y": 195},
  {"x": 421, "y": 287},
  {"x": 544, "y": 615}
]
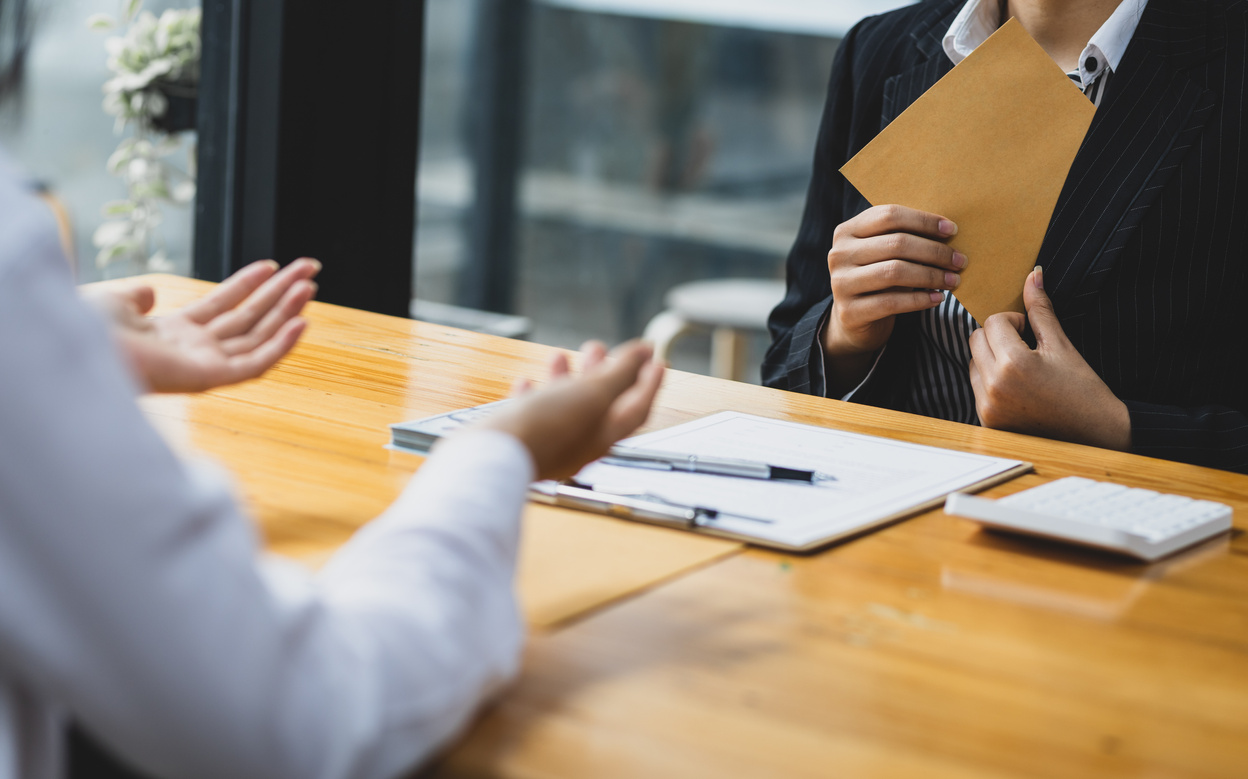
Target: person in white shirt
[{"x": 135, "y": 600}]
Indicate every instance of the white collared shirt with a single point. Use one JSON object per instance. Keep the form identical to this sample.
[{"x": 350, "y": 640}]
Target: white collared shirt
[
  {"x": 980, "y": 18},
  {"x": 134, "y": 597}
]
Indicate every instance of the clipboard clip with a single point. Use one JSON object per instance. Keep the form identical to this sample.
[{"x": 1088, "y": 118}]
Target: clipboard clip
[{"x": 648, "y": 508}]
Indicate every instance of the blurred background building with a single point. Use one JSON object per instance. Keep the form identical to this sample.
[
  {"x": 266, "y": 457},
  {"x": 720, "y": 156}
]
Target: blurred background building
[{"x": 656, "y": 143}]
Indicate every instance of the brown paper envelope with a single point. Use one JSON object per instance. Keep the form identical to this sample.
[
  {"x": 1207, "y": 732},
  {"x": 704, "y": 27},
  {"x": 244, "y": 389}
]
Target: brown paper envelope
[{"x": 988, "y": 146}]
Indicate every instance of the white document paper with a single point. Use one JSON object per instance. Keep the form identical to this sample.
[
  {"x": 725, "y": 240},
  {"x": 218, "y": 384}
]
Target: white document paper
[{"x": 877, "y": 479}]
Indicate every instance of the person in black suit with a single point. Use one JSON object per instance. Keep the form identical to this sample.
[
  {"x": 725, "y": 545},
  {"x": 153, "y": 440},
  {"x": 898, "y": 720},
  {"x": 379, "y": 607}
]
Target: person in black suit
[{"x": 1136, "y": 311}]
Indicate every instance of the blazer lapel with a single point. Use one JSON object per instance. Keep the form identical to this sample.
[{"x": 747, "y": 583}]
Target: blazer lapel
[
  {"x": 901, "y": 90},
  {"x": 1150, "y": 116}
]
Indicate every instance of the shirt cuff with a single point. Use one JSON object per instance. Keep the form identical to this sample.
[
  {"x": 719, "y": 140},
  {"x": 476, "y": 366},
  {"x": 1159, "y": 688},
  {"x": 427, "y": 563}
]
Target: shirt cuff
[
  {"x": 850, "y": 395},
  {"x": 472, "y": 487},
  {"x": 492, "y": 466},
  {"x": 819, "y": 371},
  {"x": 494, "y": 450}
]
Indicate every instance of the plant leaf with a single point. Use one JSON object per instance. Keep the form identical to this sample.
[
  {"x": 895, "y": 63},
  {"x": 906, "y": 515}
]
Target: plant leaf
[{"x": 117, "y": 208}]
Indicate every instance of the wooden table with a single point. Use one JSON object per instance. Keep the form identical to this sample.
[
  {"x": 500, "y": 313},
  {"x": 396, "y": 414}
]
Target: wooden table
[{"x": 927, "y": 649}]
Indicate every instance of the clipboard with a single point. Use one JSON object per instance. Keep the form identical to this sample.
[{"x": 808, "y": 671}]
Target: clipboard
[{"x": 878, "y": 480}]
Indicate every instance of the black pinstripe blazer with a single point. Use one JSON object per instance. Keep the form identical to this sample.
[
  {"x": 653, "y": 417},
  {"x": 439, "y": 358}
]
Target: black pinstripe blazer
[{"x": 1146, "y": 252}]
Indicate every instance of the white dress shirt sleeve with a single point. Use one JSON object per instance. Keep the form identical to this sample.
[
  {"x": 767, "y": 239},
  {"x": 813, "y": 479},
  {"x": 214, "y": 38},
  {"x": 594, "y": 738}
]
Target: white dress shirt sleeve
[{"x": 133, "y": 593}]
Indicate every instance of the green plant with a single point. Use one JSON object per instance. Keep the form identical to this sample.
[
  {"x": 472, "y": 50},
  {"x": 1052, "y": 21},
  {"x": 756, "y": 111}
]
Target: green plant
[{"x": 153, "y": 59}]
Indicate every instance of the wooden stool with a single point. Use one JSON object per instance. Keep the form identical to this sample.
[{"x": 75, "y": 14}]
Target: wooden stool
[{"x": 729, "y": 308}]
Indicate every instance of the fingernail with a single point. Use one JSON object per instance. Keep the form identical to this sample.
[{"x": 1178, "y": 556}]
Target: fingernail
[
  {"x": 947, "y": 228},
  {"x": 959, "y": 260},
  {"x": 952, "y": 280},
  {"x": 272, "y": 264},
  {"x": 936, "y": 296},
  {"x": 1039, "y": 271},
  {"x": 317, "y": 264}
]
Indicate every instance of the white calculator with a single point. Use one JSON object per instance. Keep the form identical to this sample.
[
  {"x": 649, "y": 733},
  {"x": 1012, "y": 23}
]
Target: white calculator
[{"x": 1136, "y": 522}]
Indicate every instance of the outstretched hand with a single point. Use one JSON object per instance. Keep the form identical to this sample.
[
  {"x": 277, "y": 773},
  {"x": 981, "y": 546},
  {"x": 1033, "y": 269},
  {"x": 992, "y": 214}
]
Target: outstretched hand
[
  {"x": 575, "y": 419},
  {"x": 236, "y": 332},
  {"x": 1049, "y": 391}
]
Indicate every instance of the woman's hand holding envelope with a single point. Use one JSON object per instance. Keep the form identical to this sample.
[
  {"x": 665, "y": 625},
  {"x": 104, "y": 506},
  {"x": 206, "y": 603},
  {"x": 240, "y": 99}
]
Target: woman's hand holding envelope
[{"x": 886, "y": 261}]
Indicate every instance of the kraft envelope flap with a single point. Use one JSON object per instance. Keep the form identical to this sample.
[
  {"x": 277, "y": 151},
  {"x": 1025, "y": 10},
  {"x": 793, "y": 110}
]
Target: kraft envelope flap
[{"x": 988, "y": 146}]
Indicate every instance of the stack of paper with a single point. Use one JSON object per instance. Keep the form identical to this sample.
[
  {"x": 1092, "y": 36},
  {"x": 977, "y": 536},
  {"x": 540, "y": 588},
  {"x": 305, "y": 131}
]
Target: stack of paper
[{"x": 420, "y": 435}]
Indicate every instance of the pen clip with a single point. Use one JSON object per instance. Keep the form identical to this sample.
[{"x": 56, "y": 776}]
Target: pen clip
[
  {"x": 702, "y": 515},
  {"x": 642, "y": 507},
  {"x": 572, "y": 494},
  {"x": 654, "y": 465},
  {"x": 658, "y": 460}
]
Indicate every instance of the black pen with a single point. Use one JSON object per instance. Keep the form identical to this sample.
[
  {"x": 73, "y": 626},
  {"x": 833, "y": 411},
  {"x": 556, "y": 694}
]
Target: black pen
[{"x": 654, "y": 459}]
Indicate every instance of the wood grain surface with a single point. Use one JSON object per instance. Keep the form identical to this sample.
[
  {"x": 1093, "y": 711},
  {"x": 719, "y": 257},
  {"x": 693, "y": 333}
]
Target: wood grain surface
[{"x": 927, "y": 649}]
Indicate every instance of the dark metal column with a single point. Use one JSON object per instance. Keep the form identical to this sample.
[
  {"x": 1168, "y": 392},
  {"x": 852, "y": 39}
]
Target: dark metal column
[
  {"x": 495, "y": 124},
  {"x": 308, "y": 138}
]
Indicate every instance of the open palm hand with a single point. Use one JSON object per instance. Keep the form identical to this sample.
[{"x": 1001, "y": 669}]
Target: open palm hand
[{"x": 236, "y": 332}]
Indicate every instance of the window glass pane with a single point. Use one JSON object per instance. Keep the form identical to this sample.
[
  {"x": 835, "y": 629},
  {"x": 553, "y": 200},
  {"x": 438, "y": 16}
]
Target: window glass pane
[
  {"x": 62, "y": 137},
  {"x": 663, "y": 143}
]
